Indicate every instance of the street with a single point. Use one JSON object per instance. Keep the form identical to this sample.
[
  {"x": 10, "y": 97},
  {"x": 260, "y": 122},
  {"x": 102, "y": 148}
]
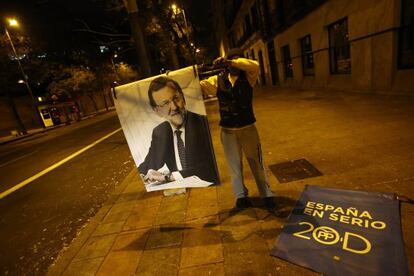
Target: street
[{"x": 41, "y": 218}]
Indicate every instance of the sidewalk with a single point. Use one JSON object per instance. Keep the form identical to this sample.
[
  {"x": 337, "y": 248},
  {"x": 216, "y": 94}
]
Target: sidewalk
[
  {"x": 30, "y": 132},
  {"x": 363, "y": 142}
]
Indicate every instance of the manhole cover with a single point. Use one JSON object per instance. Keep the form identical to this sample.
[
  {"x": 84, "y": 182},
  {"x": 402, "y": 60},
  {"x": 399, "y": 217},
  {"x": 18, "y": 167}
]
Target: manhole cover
[{"x": 294, "y": 170}]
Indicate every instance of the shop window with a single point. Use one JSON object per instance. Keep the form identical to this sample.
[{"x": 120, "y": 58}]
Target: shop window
[
  {"x": 287, "y": 62},
  {"x": 339, "y": 48},
  {"x": 307, "y": 56},
  {"x": 406, "y": 36}
]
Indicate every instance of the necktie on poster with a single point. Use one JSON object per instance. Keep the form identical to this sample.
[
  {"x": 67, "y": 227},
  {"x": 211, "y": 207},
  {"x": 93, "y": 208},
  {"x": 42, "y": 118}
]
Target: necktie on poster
[
  {"x": 188, "y": 182},
  {"x": 181, "y": 149}
]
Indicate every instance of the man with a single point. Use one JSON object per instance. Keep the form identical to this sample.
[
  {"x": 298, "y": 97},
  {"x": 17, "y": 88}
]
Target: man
[
  {"x": 182, "y": 143},
  {"x": 234, "y": 90}
]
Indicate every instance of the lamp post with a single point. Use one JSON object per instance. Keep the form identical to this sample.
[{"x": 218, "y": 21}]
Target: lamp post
[
  {"x": 13, "y": 23},
  {"x": 176, "y": 10}
]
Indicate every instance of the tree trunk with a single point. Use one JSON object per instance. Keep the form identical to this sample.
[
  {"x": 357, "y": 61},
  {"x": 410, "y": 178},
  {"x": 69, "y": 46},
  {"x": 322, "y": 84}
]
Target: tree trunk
[
  {"x": 20, "y": 126},
  {"x": 65, "y": 111},
  {"x": 94, "y": 102},
  {"x": 138, "y": 36},
  {"x": 104, "y": 98},
  {"x": 81, "y": 108},
  {"x": 111, "y": 99},
  {"x": 174, "y": 58}
]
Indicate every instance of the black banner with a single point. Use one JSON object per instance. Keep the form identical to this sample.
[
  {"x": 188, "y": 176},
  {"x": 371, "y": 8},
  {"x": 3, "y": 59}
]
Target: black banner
[{"x": 343, "y": 232}]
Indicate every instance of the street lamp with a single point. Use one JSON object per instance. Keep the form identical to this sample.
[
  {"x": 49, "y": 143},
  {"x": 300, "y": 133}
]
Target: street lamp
[
  {"x": 176, "y": 10},
  {"x": 14, "y": 23}
]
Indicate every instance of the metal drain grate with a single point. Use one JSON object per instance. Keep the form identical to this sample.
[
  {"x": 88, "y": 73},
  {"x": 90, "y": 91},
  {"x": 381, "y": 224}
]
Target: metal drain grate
[{"x": 294, "y": 170}]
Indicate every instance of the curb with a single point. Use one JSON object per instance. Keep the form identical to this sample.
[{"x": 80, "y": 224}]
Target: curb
[
  {"x": 30, "y": 134},
  {"x": 17, "y": 138}
]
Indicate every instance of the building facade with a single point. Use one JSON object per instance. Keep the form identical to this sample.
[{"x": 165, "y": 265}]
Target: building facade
[{"x": 351, "y": 45}]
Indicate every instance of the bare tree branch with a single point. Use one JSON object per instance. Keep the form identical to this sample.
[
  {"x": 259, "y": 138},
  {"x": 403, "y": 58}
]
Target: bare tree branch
[
  {"x": 89, "y": 30},
  {"x": 118, "y": 41},
  {"x": 101, "y": 33}
]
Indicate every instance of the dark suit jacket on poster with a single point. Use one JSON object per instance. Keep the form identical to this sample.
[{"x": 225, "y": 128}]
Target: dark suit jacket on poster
[{"x": 199, "y": 152}]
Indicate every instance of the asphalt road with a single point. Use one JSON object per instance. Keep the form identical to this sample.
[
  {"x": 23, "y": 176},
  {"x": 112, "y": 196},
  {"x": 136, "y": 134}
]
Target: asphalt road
[{"x": 38, "y": 220}]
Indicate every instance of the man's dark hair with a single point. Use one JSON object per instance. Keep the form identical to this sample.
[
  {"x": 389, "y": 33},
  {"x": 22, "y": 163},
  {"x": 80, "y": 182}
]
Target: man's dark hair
[
  {"x": 234, "y": 52},
  {"x": 159, "y": 83}
]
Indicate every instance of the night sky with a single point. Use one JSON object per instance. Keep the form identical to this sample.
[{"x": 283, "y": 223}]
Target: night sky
[{"x": 52, "y": 23}]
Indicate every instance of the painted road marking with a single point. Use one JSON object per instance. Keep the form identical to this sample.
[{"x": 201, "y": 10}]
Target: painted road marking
[{"x": 61, "y": 162}]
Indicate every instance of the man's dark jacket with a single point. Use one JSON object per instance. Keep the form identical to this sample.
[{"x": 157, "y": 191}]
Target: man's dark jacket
[{"x": 199, "y": 151}]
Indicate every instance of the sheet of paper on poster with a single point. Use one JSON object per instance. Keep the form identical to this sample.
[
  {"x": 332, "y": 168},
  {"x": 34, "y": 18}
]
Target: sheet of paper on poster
[{"x": 188, "y": 182}]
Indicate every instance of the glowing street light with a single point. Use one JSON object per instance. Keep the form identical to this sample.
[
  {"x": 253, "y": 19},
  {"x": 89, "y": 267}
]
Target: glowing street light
[
  {"x": 176, "y": 10},
  {"x": 14, "y": 23}
]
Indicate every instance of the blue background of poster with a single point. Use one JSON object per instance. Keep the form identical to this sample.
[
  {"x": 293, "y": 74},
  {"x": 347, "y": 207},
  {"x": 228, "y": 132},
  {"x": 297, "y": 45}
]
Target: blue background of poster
[{"x": 386, "y": 256}]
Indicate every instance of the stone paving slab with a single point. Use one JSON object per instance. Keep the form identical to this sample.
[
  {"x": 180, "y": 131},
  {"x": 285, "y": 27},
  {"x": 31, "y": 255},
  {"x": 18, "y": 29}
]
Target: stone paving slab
[
  {"x": 201, "y": 247},
  {"x": 85, "y": 267},
  {"x": 125, "y": 254},
  {"x": 203, "y": 270}
]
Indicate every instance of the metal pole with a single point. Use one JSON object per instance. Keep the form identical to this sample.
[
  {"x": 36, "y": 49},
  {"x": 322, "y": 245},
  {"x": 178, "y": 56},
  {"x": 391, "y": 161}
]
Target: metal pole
[
  {"x": 187, "y": 34},
  {"x": 185, "y": 22},
  {"x": 26, "y": 79}
]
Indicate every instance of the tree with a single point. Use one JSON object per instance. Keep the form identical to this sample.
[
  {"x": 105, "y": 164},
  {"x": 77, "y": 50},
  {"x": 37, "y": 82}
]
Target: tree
[
  {"x": 109, "y": 74},
  {"x": 170, "y": 32},
  {"x": 125, "y": 73},
  {"x": 166, "y": 34},
  {"x": 73, "y": 82},
  {"x": 9, "y": 73}
]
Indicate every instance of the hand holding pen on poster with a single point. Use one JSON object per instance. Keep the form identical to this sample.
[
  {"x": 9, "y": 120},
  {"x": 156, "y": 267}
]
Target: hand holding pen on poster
[{"x": 155, "y": 177}]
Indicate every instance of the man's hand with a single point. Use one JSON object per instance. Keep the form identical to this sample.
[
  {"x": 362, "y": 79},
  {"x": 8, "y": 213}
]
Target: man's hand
[
  {"x": 154, "y": 176},
  {"x": 221, "y": 62}
]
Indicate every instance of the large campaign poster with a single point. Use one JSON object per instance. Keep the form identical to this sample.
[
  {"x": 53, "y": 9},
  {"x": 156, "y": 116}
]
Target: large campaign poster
[
  {"x": 165, "y": 124},
  {"x": 344, "y": 232}
]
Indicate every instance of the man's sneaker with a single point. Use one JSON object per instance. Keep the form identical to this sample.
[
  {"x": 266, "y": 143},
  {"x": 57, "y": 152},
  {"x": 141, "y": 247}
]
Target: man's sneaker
[
  {"x": 269, "y": 202},
  {"x": 243, "y": 203}
]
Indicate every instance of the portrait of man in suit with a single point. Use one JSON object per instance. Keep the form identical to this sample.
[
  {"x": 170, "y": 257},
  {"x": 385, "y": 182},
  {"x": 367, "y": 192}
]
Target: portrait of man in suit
[{"x": 180, "y": 146}]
